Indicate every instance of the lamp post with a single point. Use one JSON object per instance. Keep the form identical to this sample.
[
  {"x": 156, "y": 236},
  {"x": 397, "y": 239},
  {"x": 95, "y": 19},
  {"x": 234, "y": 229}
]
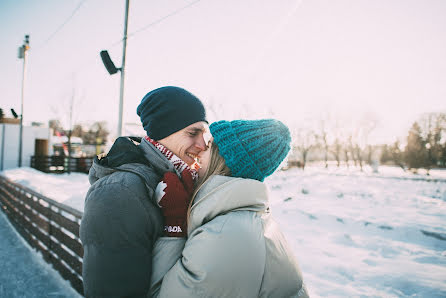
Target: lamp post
[
  {"x": 111, "y": 68},
  {"x": 23, "y": 50}
]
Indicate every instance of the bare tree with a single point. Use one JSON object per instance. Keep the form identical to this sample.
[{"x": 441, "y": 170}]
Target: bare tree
[
  {"x": 346, "y": 156},
  {"x": 336, "y": 150},
  {"x": 304, "y": 141},
  {"x": 433, "y": 131},
  {"x": 78, "y": 131},
  {"x": 323, "y": 138},
  {"x": 358, "y": 155},
  {"x": 337, "y": 147},
  {"x": 350, "y": 148},
  {"x": 359, "y": 141},
  {"x": 398, "y": 154},
  {"x": 68, "y": 109},
  {"x": 55, "y": 125}
]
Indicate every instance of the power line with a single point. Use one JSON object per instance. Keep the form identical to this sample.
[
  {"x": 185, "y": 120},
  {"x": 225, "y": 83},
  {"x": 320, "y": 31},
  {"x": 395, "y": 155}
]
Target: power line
[
  {"x": 90, "y": 60},
  {"x": 157, "y": 21},
  {"x": 63, "y": 24}
]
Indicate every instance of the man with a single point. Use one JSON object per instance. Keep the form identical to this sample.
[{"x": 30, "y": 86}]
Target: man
[{"x": 122, "y": 219}]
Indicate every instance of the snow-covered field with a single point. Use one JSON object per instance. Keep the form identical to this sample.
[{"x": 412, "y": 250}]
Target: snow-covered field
[
  {"x": 364, "y": 235},
  {"x": 355, "y": 234}
]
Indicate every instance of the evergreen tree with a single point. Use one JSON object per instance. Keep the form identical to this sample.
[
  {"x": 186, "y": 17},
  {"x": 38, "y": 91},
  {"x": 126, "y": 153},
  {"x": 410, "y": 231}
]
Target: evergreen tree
[{"x": 415, "y": 152}]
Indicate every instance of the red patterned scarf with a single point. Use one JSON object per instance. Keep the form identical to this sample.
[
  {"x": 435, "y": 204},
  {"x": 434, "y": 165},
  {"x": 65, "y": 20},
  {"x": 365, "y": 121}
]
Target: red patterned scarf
[{"x": 177, "y": 162}]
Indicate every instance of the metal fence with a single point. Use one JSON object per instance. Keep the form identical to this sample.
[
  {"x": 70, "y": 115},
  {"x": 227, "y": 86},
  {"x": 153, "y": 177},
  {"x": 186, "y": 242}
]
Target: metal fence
[
  {"x": 48, "y": 226},
  {"x": 61, "y": 164}
]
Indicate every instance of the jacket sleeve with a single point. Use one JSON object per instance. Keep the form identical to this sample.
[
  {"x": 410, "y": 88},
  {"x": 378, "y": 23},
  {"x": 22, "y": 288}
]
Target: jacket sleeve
[
  {"x": 223, "y": 258},
  {"x": 166, "y": 252},
  {"x": 118, "y": 232}
]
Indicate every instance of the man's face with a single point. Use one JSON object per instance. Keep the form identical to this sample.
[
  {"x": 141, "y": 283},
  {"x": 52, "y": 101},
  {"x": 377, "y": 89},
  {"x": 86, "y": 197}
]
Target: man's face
[{"x": 188, "y": 142}]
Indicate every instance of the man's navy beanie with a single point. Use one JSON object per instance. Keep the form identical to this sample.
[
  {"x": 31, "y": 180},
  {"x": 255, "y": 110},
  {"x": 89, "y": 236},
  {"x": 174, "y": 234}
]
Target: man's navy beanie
[{"x": 166, "y": 110}]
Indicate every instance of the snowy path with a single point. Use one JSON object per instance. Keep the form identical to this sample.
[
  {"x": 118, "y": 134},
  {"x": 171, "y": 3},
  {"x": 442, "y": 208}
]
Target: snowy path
[{"x": 23, "y": 272}]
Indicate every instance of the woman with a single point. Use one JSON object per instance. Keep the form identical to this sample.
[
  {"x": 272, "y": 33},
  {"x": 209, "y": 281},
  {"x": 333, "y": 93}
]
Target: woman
[{"x": 234, "y": 248}]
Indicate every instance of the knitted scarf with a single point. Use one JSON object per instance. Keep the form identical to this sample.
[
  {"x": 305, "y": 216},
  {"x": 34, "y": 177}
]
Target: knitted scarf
[{"x": 177, "y": 162}]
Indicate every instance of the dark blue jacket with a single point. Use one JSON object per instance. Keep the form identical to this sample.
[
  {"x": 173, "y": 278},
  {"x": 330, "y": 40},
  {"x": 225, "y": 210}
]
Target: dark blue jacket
[{"x": 121, "y": 220}]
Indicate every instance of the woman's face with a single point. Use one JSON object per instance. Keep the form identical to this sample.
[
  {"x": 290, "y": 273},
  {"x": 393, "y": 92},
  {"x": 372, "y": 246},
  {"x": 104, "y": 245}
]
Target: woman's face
[{"x": 204, "y": 158}]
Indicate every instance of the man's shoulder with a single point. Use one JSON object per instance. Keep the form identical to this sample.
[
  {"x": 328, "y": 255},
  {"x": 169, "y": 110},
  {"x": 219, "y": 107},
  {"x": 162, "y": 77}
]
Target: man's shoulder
[
  {"x": 125, "y": 178},
  {"x": 120, "y": 191},
  {"x": 130, "y": 174},
  {"x": 139, "y": 183}
]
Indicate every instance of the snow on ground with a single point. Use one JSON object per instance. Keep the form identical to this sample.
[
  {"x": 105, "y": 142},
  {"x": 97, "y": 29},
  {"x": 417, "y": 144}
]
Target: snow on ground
[
  {"x": 355, "y": 234},
  {"x": 69, "y": 189},
  {"x": 363, "y": 234},
  {"x": 24, "y": 273}
]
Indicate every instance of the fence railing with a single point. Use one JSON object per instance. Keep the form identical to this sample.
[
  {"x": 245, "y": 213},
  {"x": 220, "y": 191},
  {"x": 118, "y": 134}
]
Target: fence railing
[
  {"x": 61, "y": 164},
  {"x": 48, "y": 226}
]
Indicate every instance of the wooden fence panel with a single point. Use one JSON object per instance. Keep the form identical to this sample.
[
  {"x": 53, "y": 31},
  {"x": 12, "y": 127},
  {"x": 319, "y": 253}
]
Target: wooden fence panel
[
  {"x": 61, "y": 164},
  {"x": 71, "y": 243},
  {"x": 48, "y": 226},
  {"x": 32, "y": 216},
  {"x": 64, "y": 222}
]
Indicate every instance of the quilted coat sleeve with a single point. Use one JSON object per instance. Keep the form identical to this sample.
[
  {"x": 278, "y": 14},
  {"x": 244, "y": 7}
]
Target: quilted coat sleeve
[
  {"x": 223, "y": 258},
  {"x": 118, "y": 231}
]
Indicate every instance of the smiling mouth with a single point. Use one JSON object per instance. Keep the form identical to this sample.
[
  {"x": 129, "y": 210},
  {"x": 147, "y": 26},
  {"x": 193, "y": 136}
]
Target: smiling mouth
[{"x": 197, "y": 160}]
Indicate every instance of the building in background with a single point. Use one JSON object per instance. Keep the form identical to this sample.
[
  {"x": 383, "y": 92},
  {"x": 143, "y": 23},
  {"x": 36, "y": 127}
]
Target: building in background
[{"x": 36, "y": 141}]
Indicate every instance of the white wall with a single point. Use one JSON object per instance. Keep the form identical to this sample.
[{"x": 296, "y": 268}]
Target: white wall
[{"x": 9, "y": 144}]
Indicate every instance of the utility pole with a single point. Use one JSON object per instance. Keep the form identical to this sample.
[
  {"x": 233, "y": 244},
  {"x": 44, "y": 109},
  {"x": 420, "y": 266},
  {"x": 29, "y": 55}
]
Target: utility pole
[
  {"x": 70, "y": 131},
  {"x": 124, "y": 49},
  {"x": 112, "y": 69},
  {"x": 22, "y": 55}
]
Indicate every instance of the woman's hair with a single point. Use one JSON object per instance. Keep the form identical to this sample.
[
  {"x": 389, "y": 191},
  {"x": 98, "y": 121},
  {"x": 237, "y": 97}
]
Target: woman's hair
[{"x": 216, "y": 166}]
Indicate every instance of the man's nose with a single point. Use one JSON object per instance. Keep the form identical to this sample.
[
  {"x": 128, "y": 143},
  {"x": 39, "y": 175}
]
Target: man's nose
[{"x": 201, "y": 144}]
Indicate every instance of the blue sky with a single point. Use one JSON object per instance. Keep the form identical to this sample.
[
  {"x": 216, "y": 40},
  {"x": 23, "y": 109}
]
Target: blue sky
[{"x": 299, "y": 61}]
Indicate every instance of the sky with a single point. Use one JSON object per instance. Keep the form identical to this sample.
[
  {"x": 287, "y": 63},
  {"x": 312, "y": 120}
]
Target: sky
[{"x": 299, "y": 61}]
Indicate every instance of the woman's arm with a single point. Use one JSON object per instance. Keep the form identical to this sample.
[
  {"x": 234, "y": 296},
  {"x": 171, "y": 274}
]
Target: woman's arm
[{"x": 223, "y": 258}]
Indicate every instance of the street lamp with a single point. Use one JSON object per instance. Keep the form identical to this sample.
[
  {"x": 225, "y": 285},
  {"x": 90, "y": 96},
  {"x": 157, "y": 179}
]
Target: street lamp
[
  {"x": 22, "y": 55},
  {"x": 111, "y": 68}
]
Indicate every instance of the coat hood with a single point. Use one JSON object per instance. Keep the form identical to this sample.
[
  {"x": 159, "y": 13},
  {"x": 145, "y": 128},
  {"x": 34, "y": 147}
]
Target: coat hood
[
  {"x": 221, "y": 194},
  {"x": 129, "y": 154}
]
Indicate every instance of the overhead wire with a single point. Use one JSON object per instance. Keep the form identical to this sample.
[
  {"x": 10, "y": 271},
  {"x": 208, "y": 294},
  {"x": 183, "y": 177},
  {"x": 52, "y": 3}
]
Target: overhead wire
[
  {"x": 73, "y": 13},
  {"x": 156, "y": 21},
  {"x": 132, "y": 34}
]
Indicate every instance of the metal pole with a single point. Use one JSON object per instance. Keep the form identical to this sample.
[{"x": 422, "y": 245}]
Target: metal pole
[
  {"x": 3, "y": 147},
  {"x": 124, "y": 48},
  {"x": 25, "y": 48}
]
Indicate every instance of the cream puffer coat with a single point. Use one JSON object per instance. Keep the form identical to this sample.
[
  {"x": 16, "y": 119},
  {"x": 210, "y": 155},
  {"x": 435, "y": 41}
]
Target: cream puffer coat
[{"x": 234, "y": 248}]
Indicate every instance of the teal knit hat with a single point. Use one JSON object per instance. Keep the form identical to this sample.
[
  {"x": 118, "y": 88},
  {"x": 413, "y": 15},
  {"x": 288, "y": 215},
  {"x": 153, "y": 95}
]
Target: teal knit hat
[{"x": 252, "y": 148}]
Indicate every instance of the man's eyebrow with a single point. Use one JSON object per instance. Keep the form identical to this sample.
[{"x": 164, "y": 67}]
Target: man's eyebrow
[{"x": 196, "y": 129}]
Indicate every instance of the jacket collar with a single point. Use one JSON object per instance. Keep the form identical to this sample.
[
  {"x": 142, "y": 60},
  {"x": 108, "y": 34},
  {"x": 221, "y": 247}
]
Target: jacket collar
[
  {"x": 129, "y": 156},
  {"x": 222, "y": 194}
]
